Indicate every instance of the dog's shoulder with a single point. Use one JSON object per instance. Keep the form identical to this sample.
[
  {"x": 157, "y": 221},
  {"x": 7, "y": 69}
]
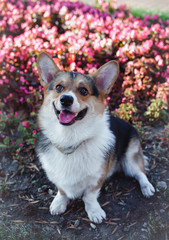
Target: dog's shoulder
[{"x": 123, "y": 132}]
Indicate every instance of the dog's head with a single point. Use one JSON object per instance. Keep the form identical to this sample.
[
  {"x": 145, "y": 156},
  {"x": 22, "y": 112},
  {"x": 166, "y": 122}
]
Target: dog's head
[{"x": 71, "y": 96}]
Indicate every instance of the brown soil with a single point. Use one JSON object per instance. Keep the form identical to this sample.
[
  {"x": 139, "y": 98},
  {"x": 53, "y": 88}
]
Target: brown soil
[{"x": 25, "y": 199}]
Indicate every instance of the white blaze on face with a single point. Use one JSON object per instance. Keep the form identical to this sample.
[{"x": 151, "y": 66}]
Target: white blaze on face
[{"x": 67, "y": 116}]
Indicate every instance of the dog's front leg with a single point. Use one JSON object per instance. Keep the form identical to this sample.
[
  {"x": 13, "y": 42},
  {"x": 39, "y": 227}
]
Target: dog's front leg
[
  {"x": 95, "y": 213},
  {"x": 59, "y": 203}
]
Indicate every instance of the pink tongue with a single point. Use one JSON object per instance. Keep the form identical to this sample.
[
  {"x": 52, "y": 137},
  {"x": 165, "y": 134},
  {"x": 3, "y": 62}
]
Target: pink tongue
[{"x": 66, "y": 117}]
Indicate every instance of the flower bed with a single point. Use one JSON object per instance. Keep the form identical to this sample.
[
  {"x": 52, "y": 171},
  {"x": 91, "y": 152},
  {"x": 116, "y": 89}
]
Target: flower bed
[{"x": 82, "y": 38}]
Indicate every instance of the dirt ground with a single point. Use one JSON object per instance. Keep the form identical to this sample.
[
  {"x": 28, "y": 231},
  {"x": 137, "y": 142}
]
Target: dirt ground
[{"x": 26, "y": 195}]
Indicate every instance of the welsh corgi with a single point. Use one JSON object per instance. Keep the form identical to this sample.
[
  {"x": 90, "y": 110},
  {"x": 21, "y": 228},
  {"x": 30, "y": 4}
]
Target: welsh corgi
[{"x": 81, "y": 144}]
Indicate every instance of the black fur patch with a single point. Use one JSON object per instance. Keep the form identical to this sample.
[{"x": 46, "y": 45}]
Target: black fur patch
[
  {"x": 73, "y": 75},
  {"x": 90, "y": 81},
  {"x": 43, "y": 144},
  {"x": 93, "y": 87},
  {"x": 123, "y": 132}
]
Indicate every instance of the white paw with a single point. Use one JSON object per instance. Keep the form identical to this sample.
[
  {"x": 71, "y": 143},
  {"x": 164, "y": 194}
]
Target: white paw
[
  {"x": 148, "y": 190},
  {"x": 96, "y": 215},
  {"x": 58, "y": 205}
]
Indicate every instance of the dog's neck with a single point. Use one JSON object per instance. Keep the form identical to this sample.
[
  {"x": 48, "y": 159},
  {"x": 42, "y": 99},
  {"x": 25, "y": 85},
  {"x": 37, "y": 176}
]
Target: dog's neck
[{"x": 68, "y": 150}]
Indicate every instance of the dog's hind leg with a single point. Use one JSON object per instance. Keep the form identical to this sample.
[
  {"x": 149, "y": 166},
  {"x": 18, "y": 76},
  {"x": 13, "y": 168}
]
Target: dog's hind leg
[{"x": 134, "y": 164}]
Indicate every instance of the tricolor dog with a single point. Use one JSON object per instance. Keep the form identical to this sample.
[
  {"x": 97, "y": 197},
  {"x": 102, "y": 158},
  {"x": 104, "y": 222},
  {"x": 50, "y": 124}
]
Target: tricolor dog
[{"x": 81, "y": 144}]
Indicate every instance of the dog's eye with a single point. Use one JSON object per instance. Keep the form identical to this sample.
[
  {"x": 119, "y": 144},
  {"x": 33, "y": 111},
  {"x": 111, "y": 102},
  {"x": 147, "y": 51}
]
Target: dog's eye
[
  {"x": 83, "y": 91},
  {"x": 59, "y": 88}
]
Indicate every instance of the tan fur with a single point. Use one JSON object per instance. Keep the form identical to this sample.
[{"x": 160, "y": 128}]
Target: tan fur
[
  {"x": 109, "y": 165},
  {"x": 63, "y": 80},
  {"x": 139, "y": 159},
  {"x": 137, "y": 153},
  {"x": 60, "y": 190}
]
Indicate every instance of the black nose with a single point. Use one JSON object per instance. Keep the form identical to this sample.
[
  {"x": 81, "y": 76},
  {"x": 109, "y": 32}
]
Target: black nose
[{"x": 66, "y": 100}]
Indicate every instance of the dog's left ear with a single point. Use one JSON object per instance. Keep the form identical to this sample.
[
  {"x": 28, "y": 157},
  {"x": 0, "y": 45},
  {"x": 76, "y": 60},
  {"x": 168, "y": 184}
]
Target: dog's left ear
[
  {"x": 47, "y": 68},
  {"x": 106, "y": 76}
]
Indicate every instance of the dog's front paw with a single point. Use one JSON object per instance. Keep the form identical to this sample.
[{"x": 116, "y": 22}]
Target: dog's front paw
[
  {"x": 59, "y": 204},
  {"x": 148, "y": 190},
  {"x": 96, "y": 215}
]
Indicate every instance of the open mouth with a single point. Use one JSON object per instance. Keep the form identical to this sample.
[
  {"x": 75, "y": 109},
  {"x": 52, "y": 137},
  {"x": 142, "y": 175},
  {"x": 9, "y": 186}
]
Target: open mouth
[{"x": 67, "y": 117}]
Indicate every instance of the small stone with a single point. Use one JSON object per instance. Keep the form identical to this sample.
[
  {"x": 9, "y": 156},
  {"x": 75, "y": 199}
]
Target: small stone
[
  {"x": 92, "y": 226},
  {"x": 122, "y": 203},
  {"x": 76, "y": 224},
  {"x": 126, "y": 229},
  {"x": 50, "y": 191},
  {"x": 161, "y": 185},
  {"x": 145, "y": 224},
  {"x": 162, "y": 211},
  {"x": 44, "y": 187},
  {"x": 144, "y": 230},
  {"x": 40, "y": 190}
]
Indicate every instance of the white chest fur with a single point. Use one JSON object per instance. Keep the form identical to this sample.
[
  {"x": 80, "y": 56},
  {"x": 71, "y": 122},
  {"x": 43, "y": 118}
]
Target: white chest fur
[{"x": 83, "y": 168}]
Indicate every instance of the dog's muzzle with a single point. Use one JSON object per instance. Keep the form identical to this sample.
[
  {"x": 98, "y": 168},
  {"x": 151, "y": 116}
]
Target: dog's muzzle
[{"x": 66, "y": 117}]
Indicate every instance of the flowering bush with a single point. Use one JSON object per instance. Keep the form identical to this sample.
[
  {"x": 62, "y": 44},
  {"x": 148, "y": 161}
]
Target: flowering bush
[
  {"x": 25, "y": 136},
  {"x": 82, "y": 38},
  {"x": 156, "y": 110}
]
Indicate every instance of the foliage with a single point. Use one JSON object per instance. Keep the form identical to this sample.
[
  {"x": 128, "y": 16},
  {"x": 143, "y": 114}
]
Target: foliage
[
  {"x": 155, "y": 224},
  {"x": 3, "y": 185},
  {"x": 25, "y": 135},
  {"x": 142, "y": 12},
  {"x": 126, "y": 111},
  {"x": 81, "y": 38},
  {"x": 156, "y": 110}
]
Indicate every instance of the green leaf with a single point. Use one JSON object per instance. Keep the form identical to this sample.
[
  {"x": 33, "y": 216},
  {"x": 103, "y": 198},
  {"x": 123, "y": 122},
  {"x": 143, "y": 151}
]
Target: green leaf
[
  {"x": 31, "y": 141},
  {"x": 34, "y": 64},
  {"x": 3, "y": 146},
  {"x": 6, "y": 141}
]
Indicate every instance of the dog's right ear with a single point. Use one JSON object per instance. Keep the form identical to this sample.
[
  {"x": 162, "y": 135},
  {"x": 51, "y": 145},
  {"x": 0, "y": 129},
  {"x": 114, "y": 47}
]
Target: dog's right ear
[{"x": 47, "y": 68}]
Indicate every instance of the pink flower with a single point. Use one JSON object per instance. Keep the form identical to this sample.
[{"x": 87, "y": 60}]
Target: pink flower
[
  {"x": 21, "y": 100},
  {"x": 159, "y": 60},
  {"x": 63, "y": 10},
  {"x": 25, "y": 124},
  {"x": 22, "y": 79},
  {"x": 72, "y": 66},
  {"x": 12, "y": 69}
]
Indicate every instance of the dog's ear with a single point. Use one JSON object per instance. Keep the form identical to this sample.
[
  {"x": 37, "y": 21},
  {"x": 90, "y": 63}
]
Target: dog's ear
[
  {"x": 47, "y": 68},
  {"x": 106, "y": 76}
]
